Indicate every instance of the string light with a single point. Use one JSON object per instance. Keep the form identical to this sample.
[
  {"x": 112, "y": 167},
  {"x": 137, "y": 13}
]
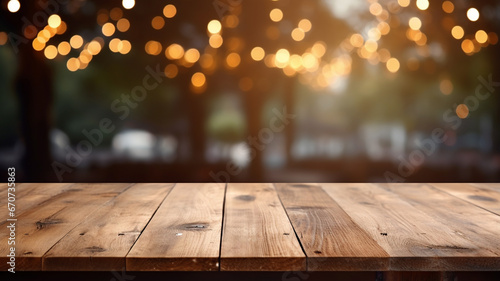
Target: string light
[
  {"x": 54, "y": 21},
  {"x": 76, "y": 41},
  {"x": 108, "y": 29},
  {"x": 473, "y": 14},
  {"x": 198, "y": 79},
  {"x": 298, "y": 34},
  {"x": 257, "y": 54},
  {"x": 305, "y": 25},
  {"x": 457, "y": 32},
  {"x": 128, "y": 4},
  {"x": 13, "y": 6},
  {"x": 214, "y": 26},
  {"x": 462, "y": 111},
  {"x": 169, "y": 11},
  {"x": 123, "y": 25},
  {"x": 393, "y": 65},
  {"x": 423, "y": 4},
  {"x": 64, "y": 48},
  {"x": 276, "y": 15}
]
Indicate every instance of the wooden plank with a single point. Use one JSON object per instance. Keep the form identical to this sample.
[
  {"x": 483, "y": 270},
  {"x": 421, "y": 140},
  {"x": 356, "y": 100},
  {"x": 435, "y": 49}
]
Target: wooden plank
[
  {"x": 38, "y": 229},
  {"x": 414, "y": 240},
  {"x": 480, "y": 196},
  {"x": 480, "y": 227},
  {"x": 103, "y": 240},
  {"x": 185, "y": 232},
  {"x": 257, "y": 234},
  {"x": 330, "y": 238},
  {"x": 29, "y": 195},
  {"x": 492, "y": 186}
]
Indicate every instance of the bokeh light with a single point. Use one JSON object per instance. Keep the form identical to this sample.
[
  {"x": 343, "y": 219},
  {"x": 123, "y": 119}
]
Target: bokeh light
[
  {"x": 174, "y": 52},
  {"x": 13, "y": 6},
  {"x": 446, "y": 86},
  {"x": 415, "y": 23},
  {"x": 404, "y": 3},
  {"x": 54, "y": 21},
  {"x": 481, "y": 36},
  {"x": 64, "y": 48},
  {"x": 157, "y": 22},
  {"x": 233, "y": 60},
  {"x": 422, "y": 4},
  {"x": 214, "y": 26},
  {"x": 298, "y": 34},
  {"x": 3, "y": 38},
  {"x": 171, "y": 70},
  {"x": 215, "y": 41},
  {"x": 169, "y": 11},
  {"x": 448, "y": 7},
  {"x": 76, "y": 41},
  {"x": 128, "y": 4},
  {"x": 393, "y": 65},
  {"x": 50, "y": 52},
  {"x": 462, "y": 111},
  {"x": 123, "y": 25},
  {"x": 192, "y": 55},
  {"x": 153, "y": 48},
  {"x": 305, "y": 25},
  {"x": 108, "y": 29},
  {"x": 473, "y": 14},
  {"x": 276, "y": 15},
  {"x": 257, "y": 53},
  {"x": 198, "y": 79},
  {"x": 457, "y": 32}
]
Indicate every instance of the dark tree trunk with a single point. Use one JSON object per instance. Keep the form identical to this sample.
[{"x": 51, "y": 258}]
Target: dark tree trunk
[
  {"x": 290, "y": 84},
  {"x": 254, "y": 103},
  {"x": 194, "y": 104},
  {"x": 35, "y": 95}
]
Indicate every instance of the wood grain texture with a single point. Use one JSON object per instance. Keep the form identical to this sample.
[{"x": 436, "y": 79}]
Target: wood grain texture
[
  {"x": 492, "y": 186},
  {"x": 38, "y": 229},
  {"x": 257, "y": 234},
  {"x": 29, "y": 195},
  {"x": 478, "y": 226},
  {"x": 330, "y": 238},
  {"x": 481, "y": 195},
  {"x": 103, "y": 240},
  {"x": 413, "y": 239},
  {"x": 185, "y": 232}
]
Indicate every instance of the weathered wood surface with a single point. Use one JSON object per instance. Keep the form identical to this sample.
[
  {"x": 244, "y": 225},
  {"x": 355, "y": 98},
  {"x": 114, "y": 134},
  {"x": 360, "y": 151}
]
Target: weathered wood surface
[
  {"x": 102, "y": 241},
  {"x": 255, "y": 227},
  {"x": 39, "y": 229},
  {"x": 482, "y": 195},
  {"x": 257, "y": 234},
  {"x": 32, "y": 195},
  {"x": 413, "y": 238},
  {"x": 185, "y": 232},
  {"x": 476, "y": 225},
  {"x": 331, "y": 239}
]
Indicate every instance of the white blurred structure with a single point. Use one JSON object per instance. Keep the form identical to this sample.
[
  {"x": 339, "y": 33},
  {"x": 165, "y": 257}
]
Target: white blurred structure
[
  {"x": 134, "y": 144},
  {"x": 142, "y": 145},
  {"x": 384, "y": 141}
]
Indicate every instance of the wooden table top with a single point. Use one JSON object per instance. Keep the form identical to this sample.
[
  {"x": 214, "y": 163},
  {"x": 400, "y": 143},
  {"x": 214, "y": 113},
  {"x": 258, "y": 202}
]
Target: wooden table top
[{"x": 253, "y": 227}]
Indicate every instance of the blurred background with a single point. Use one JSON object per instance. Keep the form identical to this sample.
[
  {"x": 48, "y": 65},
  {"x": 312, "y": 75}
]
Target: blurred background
[{"x": 250, "y": 90}]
